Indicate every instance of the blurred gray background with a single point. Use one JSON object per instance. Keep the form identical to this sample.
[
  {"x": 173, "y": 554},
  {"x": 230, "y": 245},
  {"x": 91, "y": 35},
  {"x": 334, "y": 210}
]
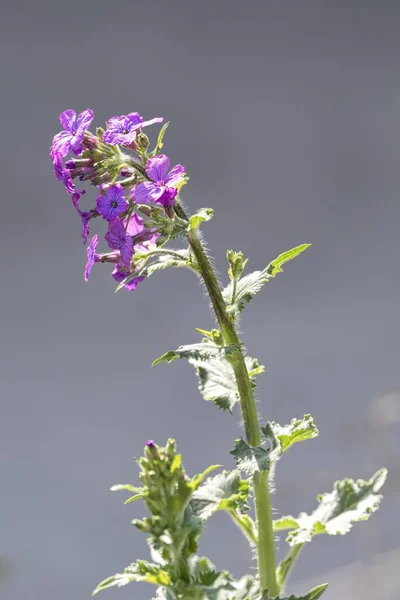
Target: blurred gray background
[{"x": 286, "y": 116}]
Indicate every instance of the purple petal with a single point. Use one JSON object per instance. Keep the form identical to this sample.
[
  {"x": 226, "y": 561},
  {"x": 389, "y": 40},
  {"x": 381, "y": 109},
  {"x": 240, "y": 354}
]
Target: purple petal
[
  {"x": 84, "y": 120},
  {"x": 68, "y": 119},
  {"x": 168, "y": 196},
  {"x": 152, "y": 121},
  {"x": 147, "y": 192},
  {"x": 85, "y": 218},
  {"x": 135, "y": 225},
  {"x": 58, "y": 166},
  {"x": 127, "y": 252},
  {"x": 115, "y": 235},
  {"x": 61, "y": 143},
  {"x": 133, "y": 121},
  {"x": 116, "y": 138},
  {"x": 91, "y": 255},
  {"x": 120, "y": 274},
  {"x": 116, "y": 122},
  {"x": 157, "y": 168},
  {"x": 175, "y": 175}
]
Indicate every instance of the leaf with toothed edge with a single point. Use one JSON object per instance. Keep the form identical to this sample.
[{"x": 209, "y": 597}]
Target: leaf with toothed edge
[
  {"x": 237, "y": 296},
  {"x": 282, "y": 437},
  {"x": 204, "y": 214},
  {"x": 139, "y": 571},
  {"x": 202, "y": 351},
  {"x": 217, "y": 381},
  {"x": 250, "y": 459},
  {"x": 349, "y": 502}
]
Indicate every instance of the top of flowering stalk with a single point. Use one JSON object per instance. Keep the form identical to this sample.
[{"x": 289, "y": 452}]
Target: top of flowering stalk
[
  {"x": 124, "y": 129},
  {"x": 132, "y": 180}
]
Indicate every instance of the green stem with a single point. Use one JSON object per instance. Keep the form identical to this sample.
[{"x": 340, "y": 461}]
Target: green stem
[
  {"x": 282, "y": 572},
  {"x": 266, "y": 542}
]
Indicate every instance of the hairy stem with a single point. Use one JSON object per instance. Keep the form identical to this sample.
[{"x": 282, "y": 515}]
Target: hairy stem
[{"x": 266, "y": 543}]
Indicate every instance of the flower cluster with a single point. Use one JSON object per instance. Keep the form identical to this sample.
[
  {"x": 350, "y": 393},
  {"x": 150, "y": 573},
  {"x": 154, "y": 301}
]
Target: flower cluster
[{"x": 130, "y": 180}]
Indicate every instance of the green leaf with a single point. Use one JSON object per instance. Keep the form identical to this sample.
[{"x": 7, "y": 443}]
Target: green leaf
[
  {"x": 202, "y": 351},
  {"x": 139, "y": 571},
  {"x": 226, "y": 491},
  {"x": 283, "y": 437},
  {"x": 248, "y": 286},
  {"x": 160, "y": 138},
  {"x": 217, "y": 381},
  {"x": 126, "y": 486},
  {"x": 313, "y": 594},
  {"x": 176, "y": 258},
  {"x": 349, "y": 502},
  {"x": 204, "y": 214},
  {"x": 181, "y": 258},
  {"x": 285, "y": 523},
  {"x": 133, "y": 498},
  {"x": 197, "y": 479},
  {"x": 250, "y": 459}
]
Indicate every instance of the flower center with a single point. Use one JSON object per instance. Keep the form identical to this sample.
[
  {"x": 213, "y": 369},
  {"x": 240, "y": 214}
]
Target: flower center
[{"x": 114, "y": 204}]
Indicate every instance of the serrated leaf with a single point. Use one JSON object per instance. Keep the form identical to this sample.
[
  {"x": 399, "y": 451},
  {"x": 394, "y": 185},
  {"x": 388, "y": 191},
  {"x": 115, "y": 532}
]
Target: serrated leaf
[
  {"x": 204, "y": 214},
  {"x": 349, "y": 502},
  {"x": 226, "y": 491},
  {"x": 313, "y": 594},
  {"x": 282, "y": 437},
  {"x": 139, "y": 571},
  {"x": 250, "y": 459},
  {"x": 202, "y": 351},
  {"x": 236, "y": 297},
  {"x": 181, "y": 258},
  {"x": 217, "y": 381}
]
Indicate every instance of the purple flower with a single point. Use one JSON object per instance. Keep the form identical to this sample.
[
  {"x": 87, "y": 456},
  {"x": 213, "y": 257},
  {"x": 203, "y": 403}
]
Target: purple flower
[
  {"x": 141, "y": 237},
  {"x": 161, "y": 188},
  {"x": 111, "y": 203},
  {"x": 92, "y": 257},
  {"x": 84, "y": 215},
  {"x": 62, "y": 174},
  {"x": 74, "y": 131},
  {"x": 118, "y": 240},
  {"x": 120, "y": 274},
  {"x": 123, "y": 129}
]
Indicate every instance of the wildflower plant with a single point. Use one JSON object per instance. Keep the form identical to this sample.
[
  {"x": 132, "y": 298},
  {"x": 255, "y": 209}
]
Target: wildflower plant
[{"x": 139, "y": 196}]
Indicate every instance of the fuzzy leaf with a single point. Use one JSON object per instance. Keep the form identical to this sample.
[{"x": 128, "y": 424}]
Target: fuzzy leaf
[
  {"x": 248, "y": 286},
  {"x": 282, "y": 437},
  {"x": 226, "y": 491},
  {"x": 203, "y": 351},
  {"x": 126, "y": 486},
  {"x": 250, "y": 459},
  {"x": 217, "y": 381},
  {"x": 349, "y": 502},
  {"x": 139, "y": 571},
  {"x": 182, "y": 259},
  {"x": 313, "y": 594},
  {"x": 204, "y": 214}
]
